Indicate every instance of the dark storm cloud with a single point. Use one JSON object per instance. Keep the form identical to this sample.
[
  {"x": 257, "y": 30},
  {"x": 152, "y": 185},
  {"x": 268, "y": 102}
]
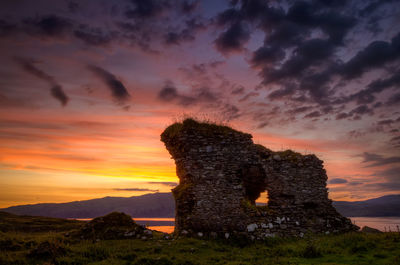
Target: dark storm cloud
[
  {"x": 312, "y": 115},
  {"x": 367, "y": 95},
  {"x": 168, "y": 93},
  {"x": 7, "y": 28},
  {"x": 373, "y": 6},
  {"x": 58, "y": 93},
  {"x": 310, "y": 52},
  {"x": 362, "y": 110},
  {"x": 173, "y": 38},
  {"x": 355, "y": 113},
  {"x": 189, "y": 6},
  {"x": 186, "y": 34},
  {"x": 375, "y": 160},
  {"x": 331, "y": 22},
  {"x": 286, "y": 34},
  {"x": 335, "y": 25},
  {"x": 394, "y": 99},
  {"x": 249, "y": 95},
  {"x": 300, "y": 52},
  {"x": 28, "y": 65},
  {"x": 342, "y": 116},
  {"x": 94, "y": 36},
  {"x": 376, "y": 54},
  {"x": 73, "y": 6},
  {"x": 230, "y": 15},
  {"x": 278, "y": 94},
  {"x": 238, "y": 90},
  {"x": 381, "y": 84},
  {"x": 118, "y": 90},
  {"x": 337, "y": 181},
  {"x": 299, "y": 110},
  {"x": 267, "y": 55},
  {"x": 49, "y": 26},
  {"x": 144, "y": 9},
  {"x": 317, "y": 86},
  {"x": 150, "y": 22},
  {"x": 233, "y": 38},
  {"x": 135, "y": 189},
  {"x": 385, "y": 122},
  {"x": 57, "y": 27}
]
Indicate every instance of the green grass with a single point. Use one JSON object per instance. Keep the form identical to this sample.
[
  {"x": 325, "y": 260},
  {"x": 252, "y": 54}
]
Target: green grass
[
  {"x": 12, "y": 222},
  {"x": 21, "y": 247}
]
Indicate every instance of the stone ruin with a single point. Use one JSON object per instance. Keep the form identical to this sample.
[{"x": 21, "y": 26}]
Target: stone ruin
[{"x": 222, "y": 173}]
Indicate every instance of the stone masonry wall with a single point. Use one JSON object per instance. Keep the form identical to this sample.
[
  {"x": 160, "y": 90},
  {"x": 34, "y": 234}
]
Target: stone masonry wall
[{"x": 222, "y": 172}]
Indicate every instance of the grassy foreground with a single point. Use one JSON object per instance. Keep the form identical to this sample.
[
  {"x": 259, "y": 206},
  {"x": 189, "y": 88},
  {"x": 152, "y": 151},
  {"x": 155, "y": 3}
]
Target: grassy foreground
[{"x": 53, "y": 247}]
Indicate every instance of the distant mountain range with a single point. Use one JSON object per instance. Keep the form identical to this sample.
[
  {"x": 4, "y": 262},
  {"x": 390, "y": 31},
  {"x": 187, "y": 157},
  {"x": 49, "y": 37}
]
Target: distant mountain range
[
  {"x": 162, "y": 205},
  {"x": 148, "y": 205},
  {"x": 379, "y": 207}
]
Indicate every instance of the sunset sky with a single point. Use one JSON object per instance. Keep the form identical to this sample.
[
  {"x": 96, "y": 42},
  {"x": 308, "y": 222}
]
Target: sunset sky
[{"x": 87, "y": 87}]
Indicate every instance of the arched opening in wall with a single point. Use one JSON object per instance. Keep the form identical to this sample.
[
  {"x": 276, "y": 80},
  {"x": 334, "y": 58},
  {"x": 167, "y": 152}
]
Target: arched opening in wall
[
  {"x": 254, "y": 179},
  {"x": 263, "y": 199}
]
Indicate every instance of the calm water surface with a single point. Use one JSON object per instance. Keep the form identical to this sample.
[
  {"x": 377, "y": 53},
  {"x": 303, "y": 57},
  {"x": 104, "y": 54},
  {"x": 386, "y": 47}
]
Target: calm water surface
[
  {"x": 166, "y": 225},
  {"x": 381, "y": 223}
]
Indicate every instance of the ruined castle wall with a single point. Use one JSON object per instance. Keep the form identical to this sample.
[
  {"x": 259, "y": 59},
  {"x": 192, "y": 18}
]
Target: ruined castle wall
[{"x": 222, "y": 172}]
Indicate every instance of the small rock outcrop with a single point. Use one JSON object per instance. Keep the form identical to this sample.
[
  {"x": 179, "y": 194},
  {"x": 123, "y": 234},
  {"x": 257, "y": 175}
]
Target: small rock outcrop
[
  {"x": 112, "y": 226},
  {"x": 222, "y": 172},
  {"x": 370, "y": 230}
]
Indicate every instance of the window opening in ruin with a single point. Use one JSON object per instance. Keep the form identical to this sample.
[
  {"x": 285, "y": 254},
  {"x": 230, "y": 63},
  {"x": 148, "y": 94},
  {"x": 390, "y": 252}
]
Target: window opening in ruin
[
  {"x": 262, "y": 199},
  {"x": 253, "y": 177}
]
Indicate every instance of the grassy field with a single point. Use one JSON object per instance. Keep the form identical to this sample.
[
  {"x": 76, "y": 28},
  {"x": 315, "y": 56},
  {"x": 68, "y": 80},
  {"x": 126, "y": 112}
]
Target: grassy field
[{"x": 18, "y": 245}]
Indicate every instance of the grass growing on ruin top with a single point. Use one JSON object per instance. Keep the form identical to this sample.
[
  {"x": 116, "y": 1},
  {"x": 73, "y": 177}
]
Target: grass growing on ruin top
[
  {"x": 203, "y": 127},
  {"x": 290, "y": 156}
]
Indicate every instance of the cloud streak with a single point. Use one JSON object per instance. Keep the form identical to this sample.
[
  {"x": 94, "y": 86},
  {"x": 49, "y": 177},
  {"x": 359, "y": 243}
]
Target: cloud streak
[
  {"x": 169, "y": 93},
  {"x": 337, "y": 181},
  {"x": 117, "y": 88},
  {"x": 135, "y": 189},
  {"x": 56, "y": 90},
  {"x": 376, "y": 160}
]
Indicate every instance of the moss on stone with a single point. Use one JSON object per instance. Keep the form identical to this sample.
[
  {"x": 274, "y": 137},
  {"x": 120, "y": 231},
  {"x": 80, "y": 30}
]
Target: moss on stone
[
  {"x": 182, "y": 190},
  {"x": 247, "y": 205},
  {"x": 261, "y": 148},
  {"x": 255, "y": 209}
]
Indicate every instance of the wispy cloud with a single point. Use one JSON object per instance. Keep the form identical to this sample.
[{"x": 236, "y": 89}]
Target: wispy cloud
[
  {"x": 117, "y": 88},
  {"x": 375, "y": 160},
  {"x": 165, "y": 183},
  {"x": 135, "y": 189},
  {"x": 337, "y": 181},
  {"x": 56, "y": 90}
]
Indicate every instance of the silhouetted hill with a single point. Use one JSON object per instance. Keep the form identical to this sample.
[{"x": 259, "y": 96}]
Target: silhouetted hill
[
  {"x": 148, "y": 205},
  {"x": 379, "y": 207},
  {"x": 162, "y": 205}
]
